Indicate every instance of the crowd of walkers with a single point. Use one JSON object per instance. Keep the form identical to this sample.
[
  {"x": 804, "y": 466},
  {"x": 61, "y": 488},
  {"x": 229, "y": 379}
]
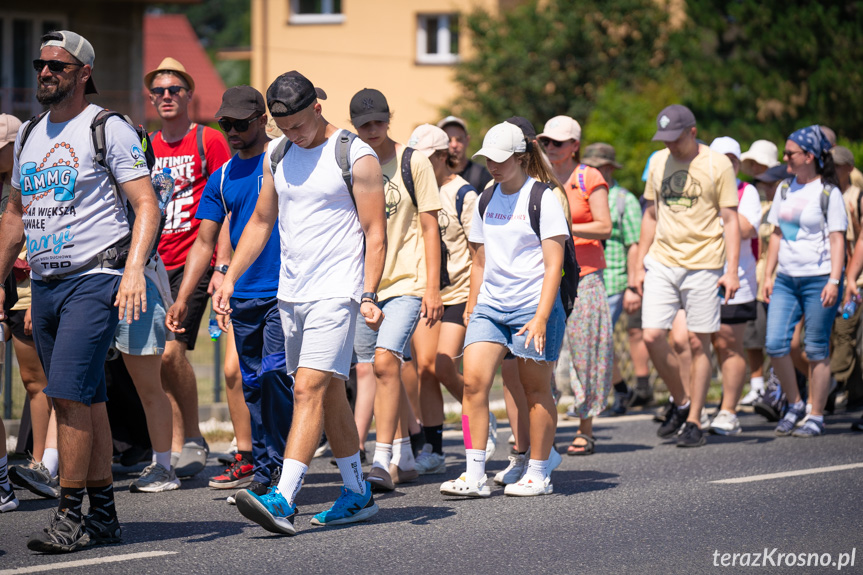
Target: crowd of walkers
[{"x": 334, "y": 255}]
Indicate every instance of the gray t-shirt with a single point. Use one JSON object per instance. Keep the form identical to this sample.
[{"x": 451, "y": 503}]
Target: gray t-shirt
[{"x": 70, "y": 211}]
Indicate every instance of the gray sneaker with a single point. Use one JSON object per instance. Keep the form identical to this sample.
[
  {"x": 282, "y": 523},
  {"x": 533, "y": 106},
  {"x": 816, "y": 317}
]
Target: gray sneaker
[
  {"x": 35, "y": 478},
  {"x": 154, "y": 479},
  {"x": 193, "y": 459},
  {"x": 429, "y": 462},
  {"x": 514, "y": 471}
]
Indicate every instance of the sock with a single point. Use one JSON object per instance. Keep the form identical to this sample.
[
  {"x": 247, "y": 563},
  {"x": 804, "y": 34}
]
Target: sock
[
  {"x": 643, "y": 382},
  {"x": 817, "y": 418},
  {"x": 799, "y": 407},
  {"x": 4, "y": 477},
  {"x": 756, "y": 383},
  {"x": 51, "y": 460},
  {"x": 537, "y": 469},
  {"x": 351, "y": 469},
  {"x": 102, "y": 500},
  {"x": 403, "y": 454},
  {"x": 475, "y": 464},
  {"x": 291, "y": 480},
  {"x": 620, "y": 387},
  {"x": 163, "y": 458},
  {"x": 383, "y": 455},
  {"x": 247, "y": 456},
  {"x": 71, "y": 499},
  {"x": 684, "y": 406},
  {"x": 175, "y": 457},
  {"x": 434, "y": 437}
]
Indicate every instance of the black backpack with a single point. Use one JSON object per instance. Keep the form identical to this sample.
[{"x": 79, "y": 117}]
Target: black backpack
[{"x": 571, "y": 272}]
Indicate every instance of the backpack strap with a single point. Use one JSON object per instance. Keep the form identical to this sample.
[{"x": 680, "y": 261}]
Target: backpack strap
[
  {"x": 201, "y": 154},
  {"x": 484, "y": 199},
  {"x": 534, "y": 210},
  {"x": 343, "y": 159},
  {"x": 783, "y": 188},
  {"x": 278, "y": 153},
  {"x": 824, "y": 200},
  {"x": 459, "y": 200},
  {"x": 29, "y": 128},
  {"x": 621, "y": 210},
  {"x": 222, "y": 185},
  {"x": 407, "y": 175},
  {"x": 100, "y": 148}
]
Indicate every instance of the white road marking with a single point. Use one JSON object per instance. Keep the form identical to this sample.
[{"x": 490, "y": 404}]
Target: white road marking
[
  {"x": 783, "y": 474},
  {"x": 85, "y": 562}
]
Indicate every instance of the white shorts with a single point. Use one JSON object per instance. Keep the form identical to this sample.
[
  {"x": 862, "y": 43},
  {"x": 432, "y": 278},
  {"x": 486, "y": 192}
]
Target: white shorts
[
  {"x": 319, "y": 335},
  {"x": 667, "y": 289}
]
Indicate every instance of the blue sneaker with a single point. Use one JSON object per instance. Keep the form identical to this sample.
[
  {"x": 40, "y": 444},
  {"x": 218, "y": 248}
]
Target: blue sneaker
[
  {"x": 271, "y": 511},
  {"x": 350, "y": 507}
]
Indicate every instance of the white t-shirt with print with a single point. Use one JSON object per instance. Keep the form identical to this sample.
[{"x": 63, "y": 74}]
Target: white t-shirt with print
[
  {"x": 750, "y": 208},
  {"x": 805, "y": 250},
  {"x": 70, "y": 211},
  {"x": 320, "y": 233},
  {"x": 514, "y": 266}
]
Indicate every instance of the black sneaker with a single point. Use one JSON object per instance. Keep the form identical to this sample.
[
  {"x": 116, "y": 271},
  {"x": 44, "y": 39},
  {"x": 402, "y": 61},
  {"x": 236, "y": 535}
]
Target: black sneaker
[
  {"x": 641, "y": 397},
  {"x": 662, "y": 414},
  {"x": 673, "y": 421},
  {"x": 63, "y": 536},
  {"x": 691, "y": 436},
  {"x": 102, "y": 532},
  {"x": 418, "y": 439},
  {"x": 621, "y": 400}
]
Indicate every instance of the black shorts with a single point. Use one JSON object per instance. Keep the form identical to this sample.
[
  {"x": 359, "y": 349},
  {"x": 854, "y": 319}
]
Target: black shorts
[
  {"x": 15, "y": 321},
  {"x": 756, "y": 329},
  {"x": 454, "y": 313},
  {"x": 738, "y": 313},
  {"x": 197, "y": 304}
]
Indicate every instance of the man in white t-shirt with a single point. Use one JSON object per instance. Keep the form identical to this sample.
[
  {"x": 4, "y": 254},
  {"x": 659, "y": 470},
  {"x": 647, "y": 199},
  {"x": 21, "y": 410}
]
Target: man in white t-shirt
[
  {"x": 326, "y": 278},
  {"x": 77, "y": 236}
]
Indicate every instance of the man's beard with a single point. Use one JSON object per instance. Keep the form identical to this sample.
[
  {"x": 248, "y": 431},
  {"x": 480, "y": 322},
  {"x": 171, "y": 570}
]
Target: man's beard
[{"x": 48, "y": 97}]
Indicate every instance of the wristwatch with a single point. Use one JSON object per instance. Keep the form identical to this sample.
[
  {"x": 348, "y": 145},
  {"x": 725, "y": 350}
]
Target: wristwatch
[
  {"x": 833, "y": 281},
  {"x": 222, "y": 269},
  {"x": 369, "y": 296},
  {"x": 633, "y": 289}
]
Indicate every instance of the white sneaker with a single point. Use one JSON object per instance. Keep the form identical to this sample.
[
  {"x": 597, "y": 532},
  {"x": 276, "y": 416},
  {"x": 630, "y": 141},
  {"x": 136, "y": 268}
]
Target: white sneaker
[
  {"x": 461, "y": 487},
  {"x": 725, "y": 423},
  {"x": 511, "y": 439},
  {"x": 705, "y": 419},
  {"x": 528, "y": 487},
  {"x": 749, "y": 398},
  {"x": 554, "y": 459},
  {"x": 430, "y": 463},
  {"x": 491, "y": 444},
  {"x": 155, "y": 479},
  {"x": 514, "y": 471}
]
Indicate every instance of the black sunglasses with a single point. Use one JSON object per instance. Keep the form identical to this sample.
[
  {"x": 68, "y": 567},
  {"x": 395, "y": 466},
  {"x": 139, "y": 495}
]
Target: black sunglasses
[
  {"x": 173, "y": 90},
  {"x": 549, "y": 142},
  {"x": 238, "y": 125},
  {"x": 53, "y": 65}
]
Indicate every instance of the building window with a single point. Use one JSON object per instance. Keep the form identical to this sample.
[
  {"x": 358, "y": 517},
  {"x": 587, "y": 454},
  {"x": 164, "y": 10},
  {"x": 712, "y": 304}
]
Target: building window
[
  {"x": 316, "y": 12},
  {"x": 437, "y": 39}
]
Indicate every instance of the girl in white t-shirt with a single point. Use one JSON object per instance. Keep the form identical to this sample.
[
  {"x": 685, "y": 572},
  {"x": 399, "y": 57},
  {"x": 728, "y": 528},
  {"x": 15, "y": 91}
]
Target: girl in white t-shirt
[
  {"x": 513, "y": 306},
  {"x": 809, "y": 246}
]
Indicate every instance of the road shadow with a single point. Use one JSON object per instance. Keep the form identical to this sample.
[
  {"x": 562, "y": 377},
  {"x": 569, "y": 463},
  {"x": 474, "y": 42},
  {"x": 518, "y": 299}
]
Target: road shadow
[
  {"x": 196, "y": 531},
  {"x": 567, "y": 482}
]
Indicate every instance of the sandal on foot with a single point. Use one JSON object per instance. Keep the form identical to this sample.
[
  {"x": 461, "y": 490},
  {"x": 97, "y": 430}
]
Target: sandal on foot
[{"x": 587, "y": 449}]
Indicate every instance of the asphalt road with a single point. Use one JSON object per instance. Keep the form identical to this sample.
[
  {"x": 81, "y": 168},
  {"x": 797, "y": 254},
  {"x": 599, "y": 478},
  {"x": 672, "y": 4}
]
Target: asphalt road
[{"x": 639, "y": 505}]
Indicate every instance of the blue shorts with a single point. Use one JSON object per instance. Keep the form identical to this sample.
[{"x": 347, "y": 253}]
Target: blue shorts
[
  {"x": 615, "y": 307},
  {"x": 401, "y": 315},
  {"x": 145, "y": 336},
  {"x": 74, "y": 321},
  {"x": 489, "y": 324}
]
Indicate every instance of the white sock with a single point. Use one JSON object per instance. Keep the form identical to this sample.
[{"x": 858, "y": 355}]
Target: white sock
[
  {"x": 383, "y": 455},
  {"x": 4, "y": 478},
  {"x": 756, "y": 383},
  {"x": 685, "y": 405},
  {"x": 293, "y": 472},
  {"x": 475, "y": 464},
  {"x": 403, "y": 454},
  {"x": 351, "y": 469},
  {"x": 537, "y": 469},
  {"x": 163, "y": 458},
  {"x": 51, "y": 460}
]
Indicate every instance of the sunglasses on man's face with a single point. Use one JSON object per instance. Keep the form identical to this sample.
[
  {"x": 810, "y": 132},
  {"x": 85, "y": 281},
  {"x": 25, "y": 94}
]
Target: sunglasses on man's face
[
  {"x": 53, "y": 65},
  {"x": 160, "y": 91},
  {"x": 549, "y": 142},
  {"x": 238, "y": 125}
]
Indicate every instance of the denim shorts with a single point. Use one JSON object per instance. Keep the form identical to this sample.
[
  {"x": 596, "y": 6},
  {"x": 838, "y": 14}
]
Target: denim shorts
[
  {"x": 615, "y": 307},
  {"x": 146, "y": 335},
  {"x": 401, "y": 315},
  {"x": 74, "y": 321},
  {"x": 489, "y": 324},
  {"x": 792, "y": 298}
]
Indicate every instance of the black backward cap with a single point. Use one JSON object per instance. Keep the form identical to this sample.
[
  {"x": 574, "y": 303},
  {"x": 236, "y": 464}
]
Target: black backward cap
[{"x": 290, "y": 93}]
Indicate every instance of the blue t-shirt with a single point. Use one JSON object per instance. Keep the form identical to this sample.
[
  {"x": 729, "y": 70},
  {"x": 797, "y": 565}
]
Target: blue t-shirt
[{"x": 241, "y": 188}]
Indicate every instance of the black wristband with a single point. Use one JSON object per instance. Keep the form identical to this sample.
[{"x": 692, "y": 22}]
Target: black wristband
[
  {"x": 369, "y": 296},
  {"x": 633, "y": 289}
]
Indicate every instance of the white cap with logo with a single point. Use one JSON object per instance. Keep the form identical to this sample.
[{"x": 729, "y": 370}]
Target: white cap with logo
[{"x": 501, "y": 142}]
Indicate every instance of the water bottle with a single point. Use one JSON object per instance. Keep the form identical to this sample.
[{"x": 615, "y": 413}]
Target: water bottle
[
  {"x": 213, "y": 327},
  {"x": 163, "y": 183},
  {"x": 849, "y": 308}
]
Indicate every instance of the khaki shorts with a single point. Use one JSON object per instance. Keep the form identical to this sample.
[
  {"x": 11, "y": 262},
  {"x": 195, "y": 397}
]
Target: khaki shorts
[{"x": 667, "y": 289}]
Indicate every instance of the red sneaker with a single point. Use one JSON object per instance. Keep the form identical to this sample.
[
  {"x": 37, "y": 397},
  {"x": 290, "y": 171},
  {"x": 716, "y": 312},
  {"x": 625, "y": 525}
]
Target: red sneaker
[{"x": 239, "y": 474}]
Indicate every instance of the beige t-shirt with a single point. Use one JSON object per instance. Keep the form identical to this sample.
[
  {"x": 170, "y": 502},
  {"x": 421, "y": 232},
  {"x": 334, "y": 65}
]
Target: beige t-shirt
[
  {"x": 455, "y": 234},
  {"x": 689, "y": 226},
  {"x": 405, "y": 266},
  {"x": 851, "y": 196}
]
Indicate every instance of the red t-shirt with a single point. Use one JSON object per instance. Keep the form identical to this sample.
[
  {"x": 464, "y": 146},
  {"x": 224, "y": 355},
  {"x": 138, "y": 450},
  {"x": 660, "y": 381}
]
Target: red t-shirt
[
  {"x": 583, "y": 181},
  {"x": 181, "y": 227}
]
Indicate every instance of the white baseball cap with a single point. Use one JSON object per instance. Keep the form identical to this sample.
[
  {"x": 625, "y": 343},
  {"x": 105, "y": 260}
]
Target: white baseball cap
[
  {"x": 762, "y": 152},
  {"x": 726, "y": 145},
  {"x": 561, "y": 129},
  {"x": 501, "y": 142},
  {"x": 428, "y": 139}
]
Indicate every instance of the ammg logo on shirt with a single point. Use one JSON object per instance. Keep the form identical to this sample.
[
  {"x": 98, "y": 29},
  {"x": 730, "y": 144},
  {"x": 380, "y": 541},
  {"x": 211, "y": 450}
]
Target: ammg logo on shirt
[{"x": 59, "y": 179}]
